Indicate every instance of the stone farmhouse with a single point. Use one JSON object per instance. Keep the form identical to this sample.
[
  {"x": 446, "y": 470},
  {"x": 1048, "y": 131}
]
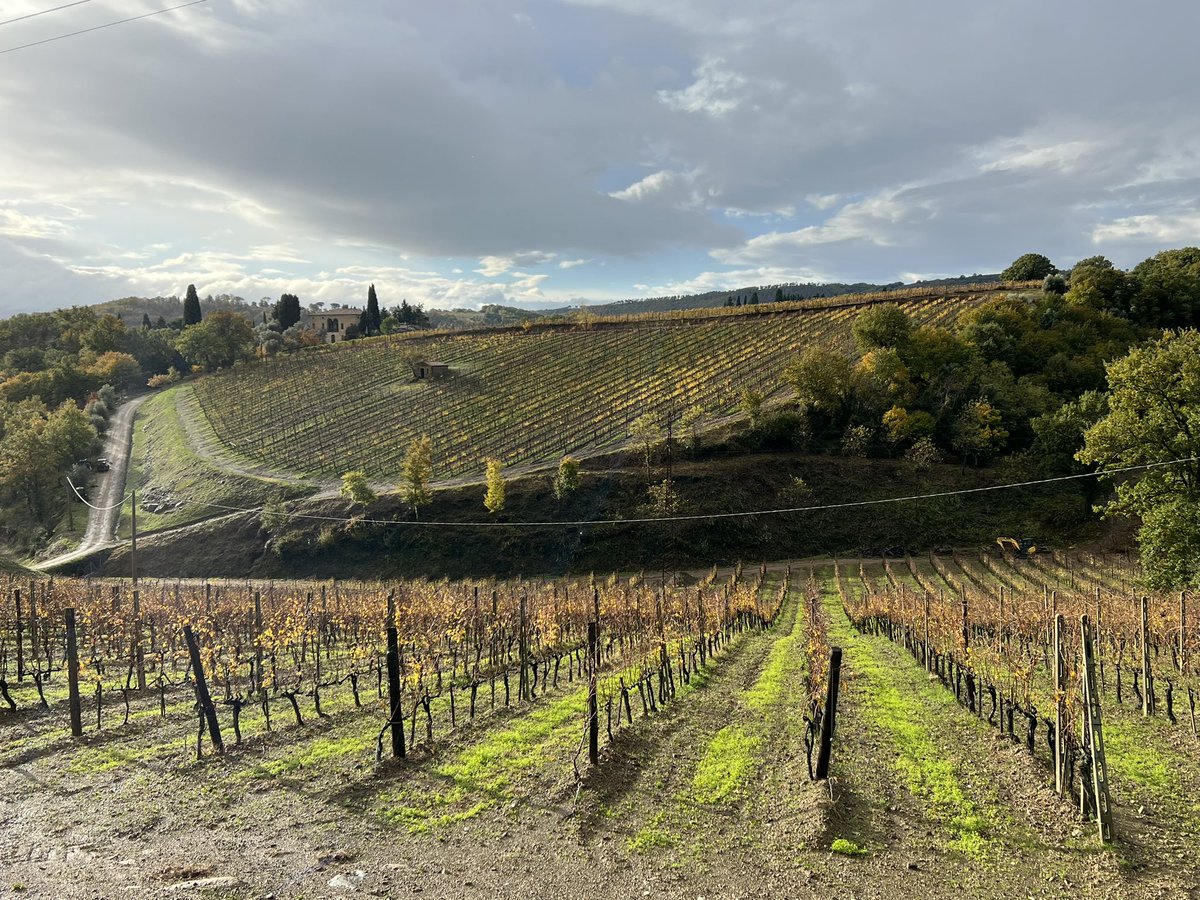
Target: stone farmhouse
[{"x": 331, "y": 324}]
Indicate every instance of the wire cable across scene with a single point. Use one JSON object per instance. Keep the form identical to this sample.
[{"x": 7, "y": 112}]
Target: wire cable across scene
[{"x": 698, "y": 517}]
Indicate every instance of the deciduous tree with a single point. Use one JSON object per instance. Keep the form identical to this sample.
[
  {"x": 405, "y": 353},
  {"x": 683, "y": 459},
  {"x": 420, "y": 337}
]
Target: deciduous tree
[
  {"x": 1154, "y": 417},
  {"x": 493, "y": 499},
  {"x": 1028, "y": 267},
  {"x": 566, "y": 480},
  {"x": 356, "y": 488},
  {"x": 417, "y": 471}
]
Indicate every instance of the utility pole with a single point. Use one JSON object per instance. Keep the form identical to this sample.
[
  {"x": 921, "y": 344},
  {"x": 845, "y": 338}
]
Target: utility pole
[{"x": 133, "y": 539}]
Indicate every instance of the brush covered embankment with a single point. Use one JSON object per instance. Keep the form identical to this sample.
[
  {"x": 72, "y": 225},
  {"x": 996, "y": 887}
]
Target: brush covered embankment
[{"x": 331, "y": 538}]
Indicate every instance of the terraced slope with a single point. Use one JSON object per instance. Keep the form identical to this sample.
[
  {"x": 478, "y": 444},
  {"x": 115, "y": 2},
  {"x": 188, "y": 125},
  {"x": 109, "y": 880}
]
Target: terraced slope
[{"x": 522, "y": 396}]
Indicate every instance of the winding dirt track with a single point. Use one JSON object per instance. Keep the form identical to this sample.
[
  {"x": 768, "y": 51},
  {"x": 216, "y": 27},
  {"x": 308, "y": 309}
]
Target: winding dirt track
[{"x": 108, "y": 489}]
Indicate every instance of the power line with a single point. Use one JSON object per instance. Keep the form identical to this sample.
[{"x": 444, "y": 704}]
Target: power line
[
  {"x": 44, "y": 12},
  {"x": 703, "y": 516},
  {"x": 84, "y": 501},
  {"x": 157, "y": 12}
]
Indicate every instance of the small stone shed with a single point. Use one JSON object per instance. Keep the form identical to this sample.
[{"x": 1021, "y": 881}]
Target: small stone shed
[{"x": 428, "y": 369}]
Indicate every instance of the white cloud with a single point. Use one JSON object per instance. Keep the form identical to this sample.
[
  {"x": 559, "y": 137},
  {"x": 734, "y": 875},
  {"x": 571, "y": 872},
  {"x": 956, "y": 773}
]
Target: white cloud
[
  {"x": 1020, "y": 153},
  {"x": 573, "y": 263},
  {"x": 491, "y": 266},
  {"x": 654, "y": 183},
  {"x": 717, "y": 90},
  {"x": 1168, "y": 228},
  {"x": 823, "y": 201},
  {"x": 870, "y": 221}
]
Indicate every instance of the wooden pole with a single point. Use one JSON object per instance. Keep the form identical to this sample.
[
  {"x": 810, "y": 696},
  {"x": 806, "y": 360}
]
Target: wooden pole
[
  {"x": 393, "y": 672},
  {"x": 1059, "y": 708},
  {"x": 133, "y": 538},
  {"x": 202, "y": 695},
  {"x": 20, "y": 637},
  {"x": 928, "y": 654},
  {"x": 73, "y": 676},
  {"x": 1147, "y": 705},
  {"x": 33, "y": 622},
  {"x": 1182, "y": 631},
  {"x": 139, "y": 655},
  {"x": 828, "y": 720},
  {"x": 1094, "y": 729},
  {"x": 593, "y": 645}
]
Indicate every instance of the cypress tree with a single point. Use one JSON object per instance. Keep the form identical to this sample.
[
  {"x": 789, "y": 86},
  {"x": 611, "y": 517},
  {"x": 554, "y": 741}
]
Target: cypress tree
[
  {"x": 145, "y": 321},
  {"x": 374, "y": 321},
  {"x": 286, "y": 311},
  {"x": 191, "y": 307}
]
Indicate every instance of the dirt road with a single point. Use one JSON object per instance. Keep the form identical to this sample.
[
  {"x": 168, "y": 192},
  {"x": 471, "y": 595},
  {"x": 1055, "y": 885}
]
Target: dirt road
[{"x": 108, "y": 489}]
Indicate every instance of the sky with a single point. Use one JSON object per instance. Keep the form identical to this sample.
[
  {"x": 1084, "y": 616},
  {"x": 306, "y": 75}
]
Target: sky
[{"x": 548, "y": 153}]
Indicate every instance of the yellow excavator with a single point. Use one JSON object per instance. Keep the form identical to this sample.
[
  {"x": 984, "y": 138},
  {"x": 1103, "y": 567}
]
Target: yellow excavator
[{"x": 1021, "y": 549}]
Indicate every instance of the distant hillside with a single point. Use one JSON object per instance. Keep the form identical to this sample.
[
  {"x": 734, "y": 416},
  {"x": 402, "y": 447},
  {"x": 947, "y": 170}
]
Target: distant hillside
[
  {"x": 766, "y": 294},
  {"x": 524, "y": 395},
  {"x": 488, "y": 315},
  {"x": 132, "y": 309}
]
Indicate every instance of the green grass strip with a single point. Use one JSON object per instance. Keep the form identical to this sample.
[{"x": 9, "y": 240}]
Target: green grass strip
[
  {"x": 728, "y": 759},
  {"x": 926, "y": 770}
]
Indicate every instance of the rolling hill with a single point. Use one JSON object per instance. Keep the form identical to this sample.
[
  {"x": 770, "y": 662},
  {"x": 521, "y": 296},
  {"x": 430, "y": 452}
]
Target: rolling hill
[{"x": 526, "y": 395}]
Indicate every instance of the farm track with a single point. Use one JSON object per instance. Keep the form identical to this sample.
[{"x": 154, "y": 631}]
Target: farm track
[{"x": 109, "y": 488}]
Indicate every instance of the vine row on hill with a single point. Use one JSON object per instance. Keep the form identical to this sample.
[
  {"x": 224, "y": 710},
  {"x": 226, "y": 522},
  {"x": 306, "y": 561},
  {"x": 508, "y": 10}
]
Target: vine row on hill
[{"x": 520, "y": 397}]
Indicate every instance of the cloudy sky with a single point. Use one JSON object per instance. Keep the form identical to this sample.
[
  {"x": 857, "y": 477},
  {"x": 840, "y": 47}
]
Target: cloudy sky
[{"x": 542, "y": 153}]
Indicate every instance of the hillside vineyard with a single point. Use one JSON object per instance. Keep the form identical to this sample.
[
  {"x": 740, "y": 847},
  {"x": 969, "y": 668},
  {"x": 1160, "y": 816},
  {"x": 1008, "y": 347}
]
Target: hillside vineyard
[{"x": 520, "y": 396}]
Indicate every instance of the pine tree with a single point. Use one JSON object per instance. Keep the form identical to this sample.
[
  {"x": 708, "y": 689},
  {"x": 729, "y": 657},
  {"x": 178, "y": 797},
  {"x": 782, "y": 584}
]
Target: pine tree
[
  {"x": 754, "y": 299},
  {"x": 145, "y": 321},
  {"x": 191, "y": 307},
  {"x": 779, "y": 295}
]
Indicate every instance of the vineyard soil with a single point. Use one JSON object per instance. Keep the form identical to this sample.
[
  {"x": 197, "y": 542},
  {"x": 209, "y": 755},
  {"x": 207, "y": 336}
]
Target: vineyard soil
[{"x": 708, "y": 796}]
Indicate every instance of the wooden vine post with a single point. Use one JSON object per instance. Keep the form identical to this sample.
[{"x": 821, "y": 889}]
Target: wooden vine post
[
  {"x": 139, "y": 654},
  {"x": 20, "y": 637},
  {"x": 593, "y": 650},
  {"x": 1182, "y": 632},
  {"x": 73, "y": 675},
  {"x": 1147, "y": 683},
  {"x": 829, "y": 717},
  {"x": 33, "y": 623},
  {"x": 396, "y": 721},
  {"x": 1059, "y": 707},
  {"x": 523, "y": 648},
  {"x": 928, "y": 654},
  {"x": 202, "y": 696},
  {"x": 1094, "y": 733}
]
